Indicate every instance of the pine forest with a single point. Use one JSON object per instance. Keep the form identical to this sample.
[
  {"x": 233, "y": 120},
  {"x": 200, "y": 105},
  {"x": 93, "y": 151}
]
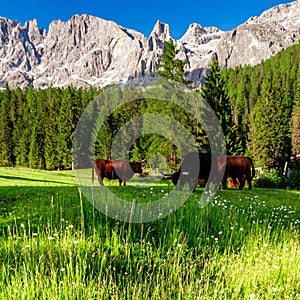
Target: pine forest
[{"x": 263, "y": 103}]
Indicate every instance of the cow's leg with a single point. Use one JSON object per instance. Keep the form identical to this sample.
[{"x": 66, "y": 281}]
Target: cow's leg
[
  {"x": 98, "y": 172},
  {"x": 242, "y": 181},
  {"x": 249, "y": 180},
  {"x": 120, "y": 182},
  {"x": 192, "y": 189},
  {"x": 100, "y": 180},
  {"x": 236, "y": 182},
  {"x": 224, "y": 182}
]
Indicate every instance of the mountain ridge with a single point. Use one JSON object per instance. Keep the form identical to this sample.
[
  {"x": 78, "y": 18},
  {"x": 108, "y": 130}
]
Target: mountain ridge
[{"x": 88, "y": 50}]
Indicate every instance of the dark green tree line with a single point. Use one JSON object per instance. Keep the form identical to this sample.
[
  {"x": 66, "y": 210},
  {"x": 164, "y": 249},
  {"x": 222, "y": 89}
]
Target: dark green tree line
[
  {"x": 37, "y": 126},
  {"x": 258, "y": 109},
  {"x": 265, "y": 106}
]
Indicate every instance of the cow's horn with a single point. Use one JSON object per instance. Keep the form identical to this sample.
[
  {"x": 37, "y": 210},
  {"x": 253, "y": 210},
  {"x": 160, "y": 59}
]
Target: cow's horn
[{"x": 165, "y": 174}]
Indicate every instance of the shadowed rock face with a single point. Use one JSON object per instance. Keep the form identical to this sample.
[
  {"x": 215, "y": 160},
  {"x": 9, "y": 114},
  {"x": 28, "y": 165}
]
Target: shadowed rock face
[{"x": 87, "y": 50}]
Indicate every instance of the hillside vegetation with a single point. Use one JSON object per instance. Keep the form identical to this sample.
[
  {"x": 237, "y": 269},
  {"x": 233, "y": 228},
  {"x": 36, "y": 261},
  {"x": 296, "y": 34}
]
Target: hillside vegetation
[{"x": 37, "y": 126}]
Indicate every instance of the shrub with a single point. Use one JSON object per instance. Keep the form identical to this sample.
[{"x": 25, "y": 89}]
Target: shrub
[
  {"x": 271, "y": 179},
  {"x": 294, "y": 180}
]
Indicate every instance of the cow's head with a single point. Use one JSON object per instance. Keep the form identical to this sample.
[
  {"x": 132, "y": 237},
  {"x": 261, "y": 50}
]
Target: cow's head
[
  {"x": 173, "y": 176},
  {"x": 136, "y": 167}
]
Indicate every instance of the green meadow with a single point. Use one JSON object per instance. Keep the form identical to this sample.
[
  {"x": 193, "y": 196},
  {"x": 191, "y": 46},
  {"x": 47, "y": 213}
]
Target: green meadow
[{"x": 55, "y": 245}]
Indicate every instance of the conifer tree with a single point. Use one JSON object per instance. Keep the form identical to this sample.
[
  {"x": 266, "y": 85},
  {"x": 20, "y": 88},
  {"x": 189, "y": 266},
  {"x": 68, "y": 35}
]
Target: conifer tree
[
  {"x": 171, "y": 67},
  {"x": 295, "y": 123},
  {"x": 215, "y": 94},
  {"x": 6, "y": 129},
  {"x": 270, "y": 127},
  {"x": 36, "y": 156},
  {"x": 52, "y": 102}
]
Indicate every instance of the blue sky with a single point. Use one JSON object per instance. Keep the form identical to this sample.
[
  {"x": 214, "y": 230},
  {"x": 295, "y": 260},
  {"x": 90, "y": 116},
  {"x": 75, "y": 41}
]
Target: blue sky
[{"x": 141, "y": 15}]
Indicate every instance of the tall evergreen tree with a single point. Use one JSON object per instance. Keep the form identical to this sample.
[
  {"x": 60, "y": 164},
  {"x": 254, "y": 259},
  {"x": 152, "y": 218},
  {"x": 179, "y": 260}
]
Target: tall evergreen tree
[
  {"x": 216, "y": 96},
  {"x": 36, "y": 156},
  {"x": 171, "y": 67},
  {"x": 52, "y": 103},
  {"x": 67, "y": 120},
  {"x": 295, "y": 122},
  {"x": 6, "y": 129},
  {"x": 270, "y": 127},
  {"x": 296, "y": 130}
]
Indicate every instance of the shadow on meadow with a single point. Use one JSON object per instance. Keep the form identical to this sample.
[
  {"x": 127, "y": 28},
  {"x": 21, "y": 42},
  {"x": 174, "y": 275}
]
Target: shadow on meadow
[{"x": 18, "y": 178}]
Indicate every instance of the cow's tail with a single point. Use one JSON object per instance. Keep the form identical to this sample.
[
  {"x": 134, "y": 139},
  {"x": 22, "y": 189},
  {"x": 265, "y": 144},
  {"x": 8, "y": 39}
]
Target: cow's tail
[
  {"x": 253, "y": 169},
  {"x": 93, "y": 170}
]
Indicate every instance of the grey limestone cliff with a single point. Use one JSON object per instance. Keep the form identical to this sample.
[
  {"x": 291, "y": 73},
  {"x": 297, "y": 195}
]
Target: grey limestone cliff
[{"x": 88, "y": 50}]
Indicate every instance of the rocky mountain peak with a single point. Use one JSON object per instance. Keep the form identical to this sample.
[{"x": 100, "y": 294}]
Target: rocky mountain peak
[
  {"x": 194, "y": 32},
  {"x": 159, "y": 35},
  {"x": 261, "y": 37},
  {"x": 88, "y": 50},
  {"x": 198, "y": 35},
  {"x": 161, "y": 30}
]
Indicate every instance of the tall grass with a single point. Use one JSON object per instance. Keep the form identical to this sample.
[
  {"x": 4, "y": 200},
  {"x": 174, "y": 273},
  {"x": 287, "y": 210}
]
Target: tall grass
[{"x": 55, "y": 245}]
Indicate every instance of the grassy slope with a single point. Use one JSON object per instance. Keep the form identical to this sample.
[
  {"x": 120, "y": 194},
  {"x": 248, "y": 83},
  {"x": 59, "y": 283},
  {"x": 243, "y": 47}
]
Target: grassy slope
[{"x": 54, "y": 245}]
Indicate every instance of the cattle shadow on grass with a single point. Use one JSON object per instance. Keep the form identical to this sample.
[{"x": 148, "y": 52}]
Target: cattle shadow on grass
[{"x": 16, "y": 178}]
